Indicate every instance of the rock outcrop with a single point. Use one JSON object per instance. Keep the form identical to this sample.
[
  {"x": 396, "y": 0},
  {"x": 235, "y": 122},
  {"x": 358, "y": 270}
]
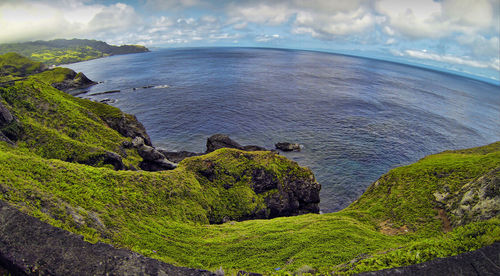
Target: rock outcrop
[
  {"x": 73, "y": 81},
  {"x": 219, "y": 141},
  {"x": 289, "y": 191},
  {"x": 153, "y": 160},
  {"x": 484, "y": 261},
  {"x": 29, "y": 246},
  {"x": 128, "y": 126},
  {"x": 285, "y": 146},
  {"x": 475, "y": 201}
]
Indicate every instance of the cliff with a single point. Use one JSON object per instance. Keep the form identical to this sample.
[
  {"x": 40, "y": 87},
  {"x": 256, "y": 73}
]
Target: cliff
[
  {"x": 75, "y": 164},
  {"x": 64, "y": 51}
]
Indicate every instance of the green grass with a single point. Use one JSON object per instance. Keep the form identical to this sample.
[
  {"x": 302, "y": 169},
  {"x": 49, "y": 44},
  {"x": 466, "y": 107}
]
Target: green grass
[{"x": 166, "y": 215}]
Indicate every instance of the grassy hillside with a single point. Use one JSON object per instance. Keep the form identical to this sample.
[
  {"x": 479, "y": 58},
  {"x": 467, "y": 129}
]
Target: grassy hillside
[
  {"x": 62, "y": 51},
  {"x": 410, "y": 215}
]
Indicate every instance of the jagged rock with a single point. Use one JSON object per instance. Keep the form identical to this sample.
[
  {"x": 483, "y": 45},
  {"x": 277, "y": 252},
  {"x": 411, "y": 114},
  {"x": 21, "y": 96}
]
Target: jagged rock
[
  {"x": 292, "y": 193},
  {"x": 484, "y": 261},
  {"x": 301, "y": 195},
  {"x": 73, "y": 81},
  {"x": 178, "y": 156},
  {"x": 106, "y": 158},
  {"x": 149, "y": 153},
  {"x": 29, "y": 246},
  {"x": 128, "y": 126},
  {"x": 218, "y": 141},
  {"x": 157, "y": 165},
  {"x": 137, "y": 142},
  {"x": 5, "y": 116},
  {"x": 4, "y": 138},
  {"x": 285, "y": 146},
  {"x": 475, "y": 201}
]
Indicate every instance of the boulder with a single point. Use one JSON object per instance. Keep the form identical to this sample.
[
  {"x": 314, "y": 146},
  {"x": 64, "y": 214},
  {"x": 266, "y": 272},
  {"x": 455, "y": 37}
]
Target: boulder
[
  {"x": 149, "y": 153},
  {"x": 285, "y": 146},
  {"x": 5, "y": 116},
  {"x": 219, "y": 141}
]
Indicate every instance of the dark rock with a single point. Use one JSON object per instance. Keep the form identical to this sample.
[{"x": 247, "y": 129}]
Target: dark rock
[
  {"x": 484, "y": 261},
  {"x": 475, "y": 201},
  {"x": 5, "y": 116},
  {"x": 178, "y": 156},
  {"x": 157, "y": 165},
  {"x": 285, "y": 146},
  {"x": 292, "y": 194},
  {"x": 149, "y": 153},
  {"x": 108, "y": 157},
  {"x": 31, "y": 247},
  {"x": 73, "y": 81},
  {"x": 253, "y": 148},
  {"x": 4, "y": 138},
  {"x": 219, "y": 141},
  {"x": 128, "y": 126}
]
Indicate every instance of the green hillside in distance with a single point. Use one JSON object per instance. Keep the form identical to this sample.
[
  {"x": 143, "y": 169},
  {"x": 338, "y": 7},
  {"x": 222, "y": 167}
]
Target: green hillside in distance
[
  {"x": 58, "y": 162},
  {"x": 64, "y": 51}
]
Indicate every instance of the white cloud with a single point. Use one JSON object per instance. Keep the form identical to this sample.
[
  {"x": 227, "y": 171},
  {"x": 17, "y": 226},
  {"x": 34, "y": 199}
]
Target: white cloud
[
  {"x": 437, "y": 19},
  {"x": 424, "y": 54}
]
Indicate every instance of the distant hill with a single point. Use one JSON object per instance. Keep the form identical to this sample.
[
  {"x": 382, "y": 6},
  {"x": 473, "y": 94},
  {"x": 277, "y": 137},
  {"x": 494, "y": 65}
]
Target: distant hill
[{"x": 63, "y": 51}]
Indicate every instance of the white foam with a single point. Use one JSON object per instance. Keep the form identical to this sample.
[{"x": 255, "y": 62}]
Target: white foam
[{"x": 161, "y": 86}]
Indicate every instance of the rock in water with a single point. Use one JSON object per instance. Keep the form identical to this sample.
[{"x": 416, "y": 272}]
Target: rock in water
[
  {"x": 219, "y": 141},
  {"x": 285, "y": 146}
]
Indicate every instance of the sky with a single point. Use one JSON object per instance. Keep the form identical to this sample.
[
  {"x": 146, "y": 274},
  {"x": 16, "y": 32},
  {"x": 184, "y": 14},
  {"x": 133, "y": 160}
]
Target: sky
[{"x": 451, "y": 35}]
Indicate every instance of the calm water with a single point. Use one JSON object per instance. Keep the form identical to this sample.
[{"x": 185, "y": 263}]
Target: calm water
[{"x": 357, "y": 118}]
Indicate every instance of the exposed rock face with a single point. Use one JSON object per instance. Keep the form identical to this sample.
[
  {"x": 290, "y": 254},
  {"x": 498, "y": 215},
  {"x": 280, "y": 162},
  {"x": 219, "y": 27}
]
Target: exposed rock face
[
  {"x": 285, "y": 146},
  {"x": 292, "y": 192},
  {"x": 475, "y": 201},
  {"x": 219, "y": 141},
  {"x": 296, "y": 196},
  {"x": 10, "y": 128},
  {"x": 31, "y": 247},
  {"x": 484, "y": 261},
  {"x": 107, "y": 158},
  {"x": 5, "y": 116},
  {"x": 153, "y": 160},
  {"x": 73, "y": 81},
  {"x": 128, "y": 126}
]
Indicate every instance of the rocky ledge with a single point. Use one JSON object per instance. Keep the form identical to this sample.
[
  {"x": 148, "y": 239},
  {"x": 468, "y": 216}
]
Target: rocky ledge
[
  {"x": 73, "y": 81},
  {"x": 29, "y": 246}
]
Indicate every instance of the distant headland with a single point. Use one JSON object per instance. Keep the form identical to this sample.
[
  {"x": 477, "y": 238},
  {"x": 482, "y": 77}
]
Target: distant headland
[{"x": 64, "y": 51}]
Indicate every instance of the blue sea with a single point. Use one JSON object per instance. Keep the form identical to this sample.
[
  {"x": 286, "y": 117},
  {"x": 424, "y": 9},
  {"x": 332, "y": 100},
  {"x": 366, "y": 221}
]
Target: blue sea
[{"x": 356, "y": 118}]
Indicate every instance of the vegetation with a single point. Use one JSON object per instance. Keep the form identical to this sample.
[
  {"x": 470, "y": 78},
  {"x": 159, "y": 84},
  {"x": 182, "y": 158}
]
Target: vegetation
[
  {"x": 62, "y": 51},
  {"x": 166, "y": 215}
]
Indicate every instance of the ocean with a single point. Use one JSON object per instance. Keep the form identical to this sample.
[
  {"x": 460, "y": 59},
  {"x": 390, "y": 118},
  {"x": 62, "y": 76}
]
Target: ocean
[{"x": 356, "y": 118}]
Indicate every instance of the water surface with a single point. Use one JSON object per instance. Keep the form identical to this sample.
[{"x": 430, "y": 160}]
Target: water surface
[{"x": 357, "y": 118}]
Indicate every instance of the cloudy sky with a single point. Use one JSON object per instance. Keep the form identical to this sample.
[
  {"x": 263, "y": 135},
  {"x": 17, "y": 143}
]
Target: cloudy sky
[{"x": 456, "y": 35}]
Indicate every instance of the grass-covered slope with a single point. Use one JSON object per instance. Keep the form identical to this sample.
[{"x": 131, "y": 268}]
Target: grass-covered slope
[
  {"x": 63, "y": 51},
  {"x": 442, "y": 205},
  {"x": 164, "y": 215},
  {"x": 14, "y": 66}
]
